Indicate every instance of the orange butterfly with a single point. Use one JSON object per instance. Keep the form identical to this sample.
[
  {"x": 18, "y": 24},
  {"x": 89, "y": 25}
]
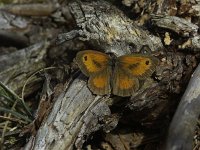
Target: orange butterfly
[{"x": 120, "y": 75}]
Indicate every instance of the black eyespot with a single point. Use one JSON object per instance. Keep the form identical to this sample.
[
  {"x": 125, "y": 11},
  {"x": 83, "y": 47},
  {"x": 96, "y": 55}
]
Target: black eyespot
[
  {"x": 147, "y": 62},
  {"x": 85, "y": 58}
]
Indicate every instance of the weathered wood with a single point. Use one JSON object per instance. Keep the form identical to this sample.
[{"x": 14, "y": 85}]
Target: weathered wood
[
  {"x": 35, "y": 9},
  {"x": 20, "y": 65},
  {"x": 10, "y": 21},
  {"x": 193, "y": 44},
  {"x": 176, "y": 24},
  {"x": 107, "y": 28},
  {"x": 75, "y": 115},
  {"x": 182, "y": 27},
  {"x": 181, "y": 131}
]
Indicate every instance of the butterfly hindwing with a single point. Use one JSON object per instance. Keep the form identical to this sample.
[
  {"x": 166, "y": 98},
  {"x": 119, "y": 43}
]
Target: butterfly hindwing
[
  {"x": 123, "y": 84},
  {"x": 138, "y": 65},
  {"x": 100, "y": 82}
]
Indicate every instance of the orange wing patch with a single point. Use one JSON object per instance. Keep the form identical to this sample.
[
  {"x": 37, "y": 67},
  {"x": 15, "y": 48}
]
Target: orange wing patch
[
  {"x": 91, "y": 62},
  {"x": 100, "y": 82},
  {"x": 138, "y": 65},
  {"x": 124, "y": 84}
]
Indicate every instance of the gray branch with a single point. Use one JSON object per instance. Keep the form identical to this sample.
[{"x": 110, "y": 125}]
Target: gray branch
[{"x": 183, "y": 125}]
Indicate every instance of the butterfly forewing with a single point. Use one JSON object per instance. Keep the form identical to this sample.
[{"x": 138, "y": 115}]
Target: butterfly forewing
[
  {"x": 91, "y": 62},
  {"x": 138, "y": 65}
]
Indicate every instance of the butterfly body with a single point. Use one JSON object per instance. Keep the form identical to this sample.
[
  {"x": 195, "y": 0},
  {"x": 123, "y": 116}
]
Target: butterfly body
[{"x": 119, "y": 76}]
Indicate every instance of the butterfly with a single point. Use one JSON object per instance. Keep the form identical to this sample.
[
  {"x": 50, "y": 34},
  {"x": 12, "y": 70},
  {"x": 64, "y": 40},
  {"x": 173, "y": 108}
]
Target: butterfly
[{"x": 119, "y": 76}]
